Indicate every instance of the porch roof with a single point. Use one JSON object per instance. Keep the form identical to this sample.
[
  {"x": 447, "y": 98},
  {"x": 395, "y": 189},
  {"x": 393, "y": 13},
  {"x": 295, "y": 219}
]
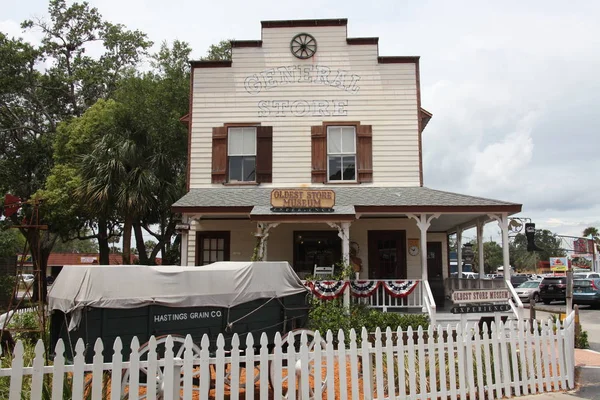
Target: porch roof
[{"x": 364, "y": 199}]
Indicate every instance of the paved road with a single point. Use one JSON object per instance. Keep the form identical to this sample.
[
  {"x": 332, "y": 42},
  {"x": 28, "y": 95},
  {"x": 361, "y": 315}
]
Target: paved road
[{"x": 589, "y": 319}]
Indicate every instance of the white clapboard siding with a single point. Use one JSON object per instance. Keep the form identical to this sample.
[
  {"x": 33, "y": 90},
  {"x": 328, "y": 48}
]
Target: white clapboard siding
[
  {"x": 386, "y": 99},
  {"x": 504, "y": 361}
]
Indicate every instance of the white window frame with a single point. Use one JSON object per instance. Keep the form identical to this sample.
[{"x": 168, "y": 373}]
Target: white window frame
[
  {"x": 229, "y": 154},
  {"x": 341, "y": 154}
]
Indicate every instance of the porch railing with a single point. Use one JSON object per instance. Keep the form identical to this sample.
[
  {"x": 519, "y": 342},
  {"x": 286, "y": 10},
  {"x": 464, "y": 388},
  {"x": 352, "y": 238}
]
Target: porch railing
[
  {"x": 384, "y": 294},
  {"x": 382, "y": 300},
  {"x": 515, "y": 302},
  {"x": 429, "y": 302}
]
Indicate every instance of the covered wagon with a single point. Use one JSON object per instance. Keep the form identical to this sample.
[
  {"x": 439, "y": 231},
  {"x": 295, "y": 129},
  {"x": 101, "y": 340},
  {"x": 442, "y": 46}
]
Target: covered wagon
[{"x": 106, "y": 302}]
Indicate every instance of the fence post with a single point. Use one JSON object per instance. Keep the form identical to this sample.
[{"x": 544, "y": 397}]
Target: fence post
[
  {"x": 177, "y": 364},
  {"x": 577, "y": 324}
]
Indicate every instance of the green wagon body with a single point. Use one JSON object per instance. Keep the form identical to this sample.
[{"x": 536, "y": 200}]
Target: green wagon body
[{"x": 267, "y": 315}]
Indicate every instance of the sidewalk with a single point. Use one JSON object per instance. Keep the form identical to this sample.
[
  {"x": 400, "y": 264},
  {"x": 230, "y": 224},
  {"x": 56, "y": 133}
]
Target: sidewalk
[
  {"x": 587, "y": 375},
  {"x": 587, "y": 358}
]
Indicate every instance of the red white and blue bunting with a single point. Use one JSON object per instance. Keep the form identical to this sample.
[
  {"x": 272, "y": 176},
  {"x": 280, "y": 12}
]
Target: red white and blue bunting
[
  {"x": 399, "y": 289},
  {"x": 328, "y": 290},
  {"x": 363, "y": 288}
]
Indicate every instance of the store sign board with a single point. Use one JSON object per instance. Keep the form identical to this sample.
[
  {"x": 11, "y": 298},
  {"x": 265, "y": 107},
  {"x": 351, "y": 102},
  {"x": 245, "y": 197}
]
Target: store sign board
[
  {"x": 480, "y": 308},
  {"x": 302, "y": 199},
  {"x": 480, "y": 296},
  {"x": 559, "y": 264}
]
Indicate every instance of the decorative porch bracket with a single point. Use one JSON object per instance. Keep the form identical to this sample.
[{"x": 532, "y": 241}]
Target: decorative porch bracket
[
  {"x": 344, "y": 234},
  {"x": 262, "y": 232},
  {"x": 423, "y": 222},
  {"x": 503, "y": 222}
]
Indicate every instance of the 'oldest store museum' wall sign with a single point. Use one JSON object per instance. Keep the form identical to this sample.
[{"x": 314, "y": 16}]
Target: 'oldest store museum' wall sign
[{"x": 302, "y": 200}]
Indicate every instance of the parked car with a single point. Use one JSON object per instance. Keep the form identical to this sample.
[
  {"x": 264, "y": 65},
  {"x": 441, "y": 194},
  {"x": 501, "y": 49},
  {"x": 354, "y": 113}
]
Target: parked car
[
  {"x": 516, "y": 280},
  {"x": 529, "y": 290},
  {"x": 586, "y": 275},
  {"x": 27, "y": 278},
  {"x": 553, "y": 288},
  {"x": 587, "y": 291}
]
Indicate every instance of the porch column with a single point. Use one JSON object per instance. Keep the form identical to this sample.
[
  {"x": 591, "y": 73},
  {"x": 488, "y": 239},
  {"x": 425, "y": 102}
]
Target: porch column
[
  {"x": 503, "y": 222},
  {"x": 459, "y": 261},
  {"x": 262, "y": 231},
  {"x": 423, "y": 222},
  {"x": 480, "y": 249},
  {"x": 184, "y": 242},
  {"x": 344, "y": 234}
]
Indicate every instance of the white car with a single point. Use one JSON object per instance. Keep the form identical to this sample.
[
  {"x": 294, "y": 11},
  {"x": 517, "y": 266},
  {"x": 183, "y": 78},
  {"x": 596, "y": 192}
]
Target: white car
[
  {"x": 27, "y": 278},
  {"x": 586, "y": 275},
  {"x": 529, "y": 290}
]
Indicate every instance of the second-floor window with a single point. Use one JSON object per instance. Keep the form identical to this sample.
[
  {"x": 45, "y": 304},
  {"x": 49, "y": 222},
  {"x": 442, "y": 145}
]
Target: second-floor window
[
  {"x": 241, "y": 149},
  {"x": 341, "y": 153}
]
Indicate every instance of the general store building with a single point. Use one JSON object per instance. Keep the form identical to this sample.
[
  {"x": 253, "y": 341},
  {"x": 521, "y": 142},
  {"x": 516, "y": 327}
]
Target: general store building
[{"x": 306, "y": 146}]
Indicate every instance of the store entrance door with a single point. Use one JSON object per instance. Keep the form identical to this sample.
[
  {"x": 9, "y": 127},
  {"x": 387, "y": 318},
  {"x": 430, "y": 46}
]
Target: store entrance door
[
  {"x": 387, "y": 254},
  {"x": 434, "y": 272}
]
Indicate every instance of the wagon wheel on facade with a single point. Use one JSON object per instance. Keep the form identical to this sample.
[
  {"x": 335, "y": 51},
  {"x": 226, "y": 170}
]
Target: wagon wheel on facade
[
  {"x": 316, "y": 380},
  {"x": 158, "y": 380}
]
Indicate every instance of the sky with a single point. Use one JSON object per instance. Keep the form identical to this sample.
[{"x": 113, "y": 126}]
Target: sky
[{"x": 512, "y": 85}]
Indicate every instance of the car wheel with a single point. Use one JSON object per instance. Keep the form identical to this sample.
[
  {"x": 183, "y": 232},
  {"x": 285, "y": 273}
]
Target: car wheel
[
  {"x": 547, "y": 301},
  {"x": 536, "y": 297}
]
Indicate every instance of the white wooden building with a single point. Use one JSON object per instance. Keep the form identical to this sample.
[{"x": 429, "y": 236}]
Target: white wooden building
[{"x": 303, "y": 115}]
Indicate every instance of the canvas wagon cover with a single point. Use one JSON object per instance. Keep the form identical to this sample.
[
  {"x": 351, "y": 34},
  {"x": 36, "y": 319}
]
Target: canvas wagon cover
[{"x": 222, "y": 284}]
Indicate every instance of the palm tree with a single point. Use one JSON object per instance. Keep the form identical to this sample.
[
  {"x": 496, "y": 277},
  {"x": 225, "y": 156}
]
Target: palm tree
[
  {"x": 117, "y": 175},
  {"x": 591, "y": 231}
]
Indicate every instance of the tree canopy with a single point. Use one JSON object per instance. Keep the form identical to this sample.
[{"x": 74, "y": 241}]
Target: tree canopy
[
  {"x": 522, "y": 260},
  {"x": 44, "y": 85}
]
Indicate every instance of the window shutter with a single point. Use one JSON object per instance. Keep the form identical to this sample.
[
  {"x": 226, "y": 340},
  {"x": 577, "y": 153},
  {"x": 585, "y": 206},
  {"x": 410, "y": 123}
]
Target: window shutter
[
  {"x": 264, "y": 154},
  {"x": 219, "y": 154},
  {"x": 365, "y": 153},
  {"x": 319, "y": 154}
]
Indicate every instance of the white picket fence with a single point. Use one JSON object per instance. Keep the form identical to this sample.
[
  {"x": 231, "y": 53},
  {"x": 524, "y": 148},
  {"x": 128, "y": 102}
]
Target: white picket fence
[{"x": 452, "y": 362}]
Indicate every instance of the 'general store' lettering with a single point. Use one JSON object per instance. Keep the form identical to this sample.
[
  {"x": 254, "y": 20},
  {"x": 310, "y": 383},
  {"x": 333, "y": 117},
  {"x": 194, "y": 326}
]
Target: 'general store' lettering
[
  {"x": 302, "y": 108},
  {"x": 317, "y": 74}
]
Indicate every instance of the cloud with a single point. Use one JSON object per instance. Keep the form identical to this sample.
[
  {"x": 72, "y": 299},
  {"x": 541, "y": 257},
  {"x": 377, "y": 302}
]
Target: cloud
[{"x": 512, "y": 85}]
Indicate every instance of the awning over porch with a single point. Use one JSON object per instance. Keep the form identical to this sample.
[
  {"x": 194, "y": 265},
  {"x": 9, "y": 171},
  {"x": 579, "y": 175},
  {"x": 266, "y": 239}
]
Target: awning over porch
[{"x": 350, "y": 202}]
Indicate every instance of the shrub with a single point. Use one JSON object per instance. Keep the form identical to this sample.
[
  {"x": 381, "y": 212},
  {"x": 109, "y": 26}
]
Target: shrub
[
  {"x": 331, "y": 315},
  {"x": 581, "y": 340},
  {"x": 29, "y": 324}
]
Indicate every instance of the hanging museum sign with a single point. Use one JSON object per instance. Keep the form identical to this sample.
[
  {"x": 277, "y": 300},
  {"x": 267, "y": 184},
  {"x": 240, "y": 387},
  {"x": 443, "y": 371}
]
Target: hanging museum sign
[
  {"x": 480, "y": 295},
  {"x": 302, "y": 200},
  {"x": 480, "y": 308}
]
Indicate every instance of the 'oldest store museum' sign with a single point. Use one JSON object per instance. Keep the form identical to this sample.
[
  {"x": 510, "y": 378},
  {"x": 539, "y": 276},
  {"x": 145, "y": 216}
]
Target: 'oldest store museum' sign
[{"x": 302, "y": 200}]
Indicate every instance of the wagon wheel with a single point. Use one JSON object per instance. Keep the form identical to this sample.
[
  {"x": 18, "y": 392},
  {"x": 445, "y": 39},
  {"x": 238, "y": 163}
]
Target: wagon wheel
[
  {"x": 316, "y": 382},
  {"x": 242, "y": 374},
  {"x": 158, "y": 380}
]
